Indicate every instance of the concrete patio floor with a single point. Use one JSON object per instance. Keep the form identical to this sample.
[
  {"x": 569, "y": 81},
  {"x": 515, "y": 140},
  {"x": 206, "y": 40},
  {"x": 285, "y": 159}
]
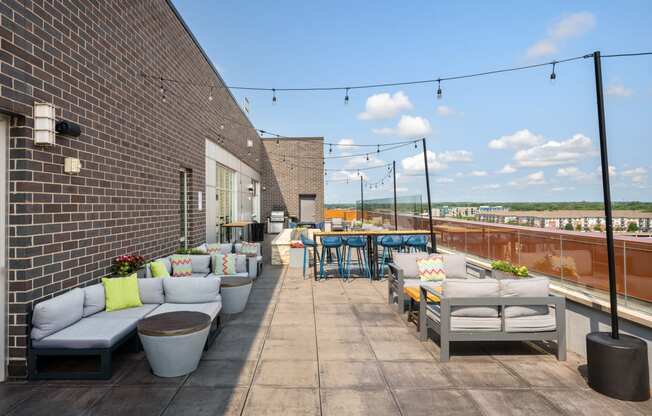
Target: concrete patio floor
[{"x": 329, "y": 348}]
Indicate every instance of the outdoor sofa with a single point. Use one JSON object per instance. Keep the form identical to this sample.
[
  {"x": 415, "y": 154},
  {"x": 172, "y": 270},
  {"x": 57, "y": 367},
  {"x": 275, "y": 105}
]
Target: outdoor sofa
[
  {"x": 403, "y": 272},
  {"x": 202, "y": 266},
  {"x": 77, "y": 324},
  {"x": 493, "y": 310}
]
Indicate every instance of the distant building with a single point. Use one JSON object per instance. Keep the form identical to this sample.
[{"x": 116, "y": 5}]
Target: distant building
[{"x": 578, "y": 219}]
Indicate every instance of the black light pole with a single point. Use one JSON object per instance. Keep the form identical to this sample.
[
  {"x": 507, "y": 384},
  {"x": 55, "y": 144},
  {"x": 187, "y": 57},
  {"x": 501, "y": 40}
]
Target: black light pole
[
  {"x": 395, "y": 213},
  {"x": 433, "y": 243},
  {"x": 617, "y": 364},
  {"x": 361, "y": 200}
]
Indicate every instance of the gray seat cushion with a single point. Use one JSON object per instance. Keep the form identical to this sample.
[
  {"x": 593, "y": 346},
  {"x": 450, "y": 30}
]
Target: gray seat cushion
[
  {"x": 191, "y": 290},
  {"x": 535, "y": 287},
  {"x": 221, "y": 276},
  {"x": 466, "y": 323},
  {"x": 472, "y": 288},
  {"x": 151, "y": 290},
  {"x": 201, "y": 263},
  {"x": 532, "y": 323},
  {"x": 202, "y": 275},
  {"x": 455, "y": 266},
  {"x": 209, "y": 308},
  {"x": 94, "y": 299},
  {"x": 165, "y": 261},
  {"x": 408, "y": 263},
  {"x": 57, "y": 313},
  {"x": 102, "y": 330}
]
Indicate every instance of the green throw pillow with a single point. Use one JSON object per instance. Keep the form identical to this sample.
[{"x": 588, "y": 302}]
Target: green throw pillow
[
  {"x": 121, "y": 292},
  {"x": 158, "y": 269}
]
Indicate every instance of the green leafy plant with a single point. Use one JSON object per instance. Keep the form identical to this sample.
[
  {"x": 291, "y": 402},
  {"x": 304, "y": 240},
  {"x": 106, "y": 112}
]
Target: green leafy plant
[{"x": 507, "y": 267}]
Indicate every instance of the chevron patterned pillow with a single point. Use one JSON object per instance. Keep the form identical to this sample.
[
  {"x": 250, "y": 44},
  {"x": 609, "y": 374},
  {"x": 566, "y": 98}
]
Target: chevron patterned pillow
[
  {"x": 431, "y": 268},
  {"x": 224, "y": 264},
  {"x": 181, "y": 265}
]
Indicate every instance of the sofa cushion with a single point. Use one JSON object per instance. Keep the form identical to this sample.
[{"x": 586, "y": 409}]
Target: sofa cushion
[
  {"x": 223, "y": 248},
  {"x": 158, "y": 269},
  {"x": 455, "y": 266},
  {"x": 181, "y": 265},
  {"x": 191, "y": 290},
  {"x": 209, "y": 308},
  {"x": 532, "y": 323},
  {"x": 240, "y": 263},
  {"x": 57, "y": 313},
  {"x": 201, "y": 263},
  {"x": 472, "y": 288},
  {"x": 220, "y": 276},
  {"x": 247, "y": 248},
  {"x": 93, "y": 299},
  {"x": 431, "y": 268},
  {"x": 466, "y": 323},
  {"x": 102, "y": 330},
  {"x": 224, "y": 263},
  {"x": 121, "y": 292},
  {"x": 151, "y": 291},
  {"x": 198, "y": 275},
  {"x": 535, "y": 287},
  {"x": 408, "y": 263},
  {"x": 165, "y": 261}
]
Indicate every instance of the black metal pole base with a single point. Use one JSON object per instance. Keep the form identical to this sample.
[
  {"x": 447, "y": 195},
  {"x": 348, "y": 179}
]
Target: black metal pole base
[{"x": 618, "y": 368}]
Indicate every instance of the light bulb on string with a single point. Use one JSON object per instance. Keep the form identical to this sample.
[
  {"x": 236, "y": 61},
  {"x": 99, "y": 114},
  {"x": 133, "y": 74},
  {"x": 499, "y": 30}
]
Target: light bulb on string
[
  {"x": 330, "y": 149},
  {"x": 415, "y": 145},
  {"x": 367, "y": 157},
  {"x": 439, "y": 93},
  {"x": 553, "y": 75},
  {"x": 273, "y": 95},
  {"x": 346, "y": 97},
  {"x": 210, "y": 94},
  {"x": 378, "y": 149}
]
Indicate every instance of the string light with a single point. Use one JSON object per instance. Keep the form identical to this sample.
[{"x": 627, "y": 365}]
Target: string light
[
  {"x": 210, "y": 94},
  {"x": 273, "y": 95},
  {"x": 439, "y": 89},
  {"x": 330, "y": 149},
  {"x": 378, "y": 149},
  {"x": 367, "y": 157},
  {"x": 346, "y": 97},
  {"x": 553, "y": 76}
]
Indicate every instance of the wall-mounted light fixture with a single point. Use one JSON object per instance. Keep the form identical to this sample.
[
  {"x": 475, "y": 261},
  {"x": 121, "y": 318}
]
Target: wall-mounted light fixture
[
  {"x": 71, "y": 166},
  {"x": 44, "y": 124}
]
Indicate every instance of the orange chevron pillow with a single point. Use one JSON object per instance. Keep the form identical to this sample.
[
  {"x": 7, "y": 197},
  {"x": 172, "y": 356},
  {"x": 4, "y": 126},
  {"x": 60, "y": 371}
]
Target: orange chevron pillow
[
  {"x": 431, "y": 268},
  {"x": 181, "y": 265}
]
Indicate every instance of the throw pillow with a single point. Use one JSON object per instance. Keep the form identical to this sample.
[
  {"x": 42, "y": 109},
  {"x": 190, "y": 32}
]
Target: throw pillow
[
  {"x": 212, "y": 248},
  {"x": 158, "y": 269},
  {"x": 121, "y": 292},
  {"x": 431, "y": 268},
  {"x": 181, "y": 265},
  {"x": 224, "y": 264},
  {"x": 249, "y": 249}
]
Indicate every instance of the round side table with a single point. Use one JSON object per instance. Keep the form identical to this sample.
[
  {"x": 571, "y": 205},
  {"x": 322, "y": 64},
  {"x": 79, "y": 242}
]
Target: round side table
[
  {"x": 174, "y": 341},
  {"x": 235, "y": 292}
]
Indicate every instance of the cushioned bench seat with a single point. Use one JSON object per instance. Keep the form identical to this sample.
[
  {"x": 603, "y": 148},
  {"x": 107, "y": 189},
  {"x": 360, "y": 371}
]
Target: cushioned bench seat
[
  {"x": 534, "y": 323},
  {"x": 211, "y": 308},
  {"x": 466, "y": 323}
]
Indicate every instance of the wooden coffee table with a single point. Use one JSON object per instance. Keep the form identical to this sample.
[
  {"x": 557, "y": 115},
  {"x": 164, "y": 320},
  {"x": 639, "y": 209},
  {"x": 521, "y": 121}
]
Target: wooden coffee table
[
  {"x": 414, "y": 293},
  {"x": 174, "y": 341}
]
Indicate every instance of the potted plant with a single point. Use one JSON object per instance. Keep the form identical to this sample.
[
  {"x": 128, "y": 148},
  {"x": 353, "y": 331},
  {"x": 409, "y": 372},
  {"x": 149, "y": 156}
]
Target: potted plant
[
  {"x": 296, "y": 254},
  {"x": 501, "y": 269},
  {"x": 126, "y": 265}
]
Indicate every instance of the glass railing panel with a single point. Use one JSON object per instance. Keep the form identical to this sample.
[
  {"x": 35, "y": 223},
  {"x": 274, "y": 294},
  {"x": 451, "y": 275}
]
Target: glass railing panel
[{"x": 540, "y": 252}]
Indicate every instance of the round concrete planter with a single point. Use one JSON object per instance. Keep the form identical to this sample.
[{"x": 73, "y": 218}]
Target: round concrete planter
[
  {"x": 234, "y": 297},
  {"x": 174, "y": 356}
]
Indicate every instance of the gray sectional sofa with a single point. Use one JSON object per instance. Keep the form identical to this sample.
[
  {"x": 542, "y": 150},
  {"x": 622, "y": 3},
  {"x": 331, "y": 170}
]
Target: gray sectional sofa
[
  {"x": 202, "y": 266},
  {"x": 77, "y": 324}
]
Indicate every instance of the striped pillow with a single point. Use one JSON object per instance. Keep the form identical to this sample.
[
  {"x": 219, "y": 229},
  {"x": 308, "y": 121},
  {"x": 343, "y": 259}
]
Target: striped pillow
[
  {"x": 249, "y": 249},
  {"x": 181, "y": 265},
  {"x": 431, "y": 268},
  {"x": 224, "y": 264}
]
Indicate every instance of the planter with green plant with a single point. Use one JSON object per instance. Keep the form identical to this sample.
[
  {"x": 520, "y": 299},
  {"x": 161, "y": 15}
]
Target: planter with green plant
[{"x": 501, "y": 269}]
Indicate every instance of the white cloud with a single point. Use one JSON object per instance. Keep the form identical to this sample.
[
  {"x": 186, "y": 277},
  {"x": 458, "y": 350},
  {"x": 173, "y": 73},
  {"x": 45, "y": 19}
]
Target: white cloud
[
  {"x": 508, "y": 169},
  {"x": 344, "y": 146},
  {"x": 569, "y": 171},
  {"x": 488, "y": 186},
  {"x": 455, "y": 156},
  {"x": 566, "y": 27},
  {"x": 556, "y": 153},
  {"x": 342, "y": 175},
  {"x": 384, "y": 105},
  {"x": 562, "y": 188},
  {"x": 536, "y": 178},
  {"x": 478, "y": 173},
  {"x": 519, "y": 140},
  {"x": 401, "y": 190},
  {"x": 446, "y": 111},
  {"x": 619, "y": 90},
  {"x": 636, "y": 175},
  {"x": 408, "y": 126},
  {"x": 444, "y": 180},
  {"x": 415, "y": 163},
  {"x": 364, "y": 161}
]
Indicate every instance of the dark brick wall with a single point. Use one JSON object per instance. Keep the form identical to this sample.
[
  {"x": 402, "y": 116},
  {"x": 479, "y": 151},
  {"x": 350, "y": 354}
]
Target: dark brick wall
[
  {"x": 86, "y": 57},
  {"x": 293, "y": 166}
]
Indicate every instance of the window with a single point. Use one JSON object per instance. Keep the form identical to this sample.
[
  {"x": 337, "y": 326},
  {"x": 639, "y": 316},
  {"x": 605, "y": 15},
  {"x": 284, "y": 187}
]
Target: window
[
  {"x": 183, "y": 207},
  {"x": 225, "y": 195}
]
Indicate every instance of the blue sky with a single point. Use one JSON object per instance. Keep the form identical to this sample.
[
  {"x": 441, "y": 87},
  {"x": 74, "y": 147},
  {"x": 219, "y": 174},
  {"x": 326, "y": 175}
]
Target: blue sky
[{"x": 511, "y": 137}]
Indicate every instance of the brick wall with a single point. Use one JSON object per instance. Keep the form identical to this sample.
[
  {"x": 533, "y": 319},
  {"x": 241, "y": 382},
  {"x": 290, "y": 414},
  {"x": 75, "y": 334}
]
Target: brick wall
[
  {"x": 86, "y": 58},
  {"x": 293, "y": 166}
]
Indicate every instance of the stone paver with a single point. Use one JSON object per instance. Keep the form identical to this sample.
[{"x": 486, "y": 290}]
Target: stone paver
[{"x": 305, "y": 347}]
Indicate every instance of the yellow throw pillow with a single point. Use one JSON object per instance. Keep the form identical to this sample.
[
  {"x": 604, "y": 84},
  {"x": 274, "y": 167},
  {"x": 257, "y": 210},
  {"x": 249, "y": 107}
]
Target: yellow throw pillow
[
  {"x": 121, "y": 292},
  {"x": 158, "y": 269}
]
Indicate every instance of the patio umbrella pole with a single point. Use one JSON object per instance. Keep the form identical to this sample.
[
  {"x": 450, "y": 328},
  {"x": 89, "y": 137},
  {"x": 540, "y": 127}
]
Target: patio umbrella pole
[
  {"x": 433, "y": 243},
  {"x": 361, "y": 201},
  {"x": 395, "y": 213},
  {"x": 617, "y": 364}
]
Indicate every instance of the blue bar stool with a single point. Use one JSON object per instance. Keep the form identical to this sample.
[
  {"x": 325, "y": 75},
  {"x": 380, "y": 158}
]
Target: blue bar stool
[
  {"x": 328, "y": 243},
  {"x": 417, "y": 242},
  {"x": 388, "y": 242},
  {"x": 359, "y": 244},
  {"x": 307, "y": 243}
]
